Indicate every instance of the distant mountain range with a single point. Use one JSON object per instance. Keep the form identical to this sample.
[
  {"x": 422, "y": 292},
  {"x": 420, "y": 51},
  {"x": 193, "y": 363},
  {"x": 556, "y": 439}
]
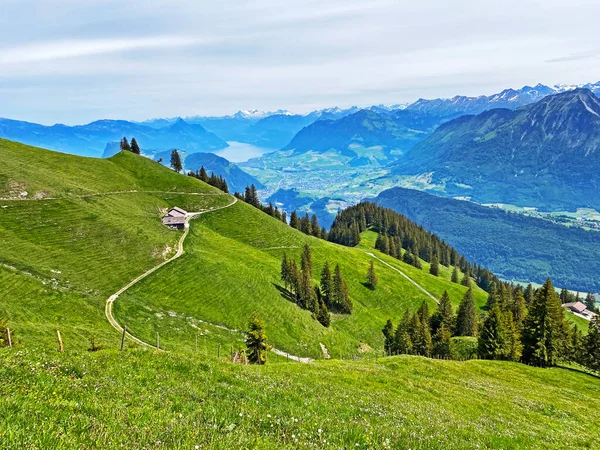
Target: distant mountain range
[
  {"x": 513, "y": 246},
  {"x": 92, "y": 139},
  {"x": 546, "y": 154}
]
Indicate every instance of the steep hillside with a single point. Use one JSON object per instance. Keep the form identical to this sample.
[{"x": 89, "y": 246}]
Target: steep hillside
[
  {"x": 236, "y": 178},
  {"x": 546, "y": 154},
  {"x": 513, "y": 246},
  {"x": 92, "y": 139},
  {"x": 90, "y": 226}
]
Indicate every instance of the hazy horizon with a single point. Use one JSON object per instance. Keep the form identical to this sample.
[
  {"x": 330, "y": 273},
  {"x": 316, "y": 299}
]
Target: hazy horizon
[{"x": 137, "y": 60}]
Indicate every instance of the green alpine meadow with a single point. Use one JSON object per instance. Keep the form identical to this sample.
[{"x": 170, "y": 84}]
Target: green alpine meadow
[{"x": 232, "y": 332}]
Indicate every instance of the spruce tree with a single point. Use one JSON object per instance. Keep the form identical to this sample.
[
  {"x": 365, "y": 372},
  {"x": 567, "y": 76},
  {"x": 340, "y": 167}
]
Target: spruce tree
[
  {"x": 402, "y": 337},
  {"x": 590, "y": 302},
  {"x": 543, "y": 329},
  {"x": 285, "y": 272},
  {"x": 284, "y": 217},
  {"x": 591, "y": 344},
  {"x": 388, "y": 336},
  {"x": 434, "y": 268},
  {"x": 341, "y": 294},
  {"x": 444, "y": 315},
  {"x": 443, "y": 347},
  {"x": 490, "y": 344},
  {"x": 314, "y": 226},
  {"x": 421, "y": 337},
  {"x": 256, "y": 340},
  {"x": 424, "y": 314},
  {"x": 176, "y": 161},
  {"x": 305, "y": 226},
  {"x": 323, "y": 314},
  {"x": 518, "y": 308},
  {"x": 466, "y": 318},
  {"x": 371, "y": 277},
  {"x": 306, "y": 260},
  {"x": 125, "y": 145},
  {"x": 528, "y": 294},
  {"x": 294, "y": 222},
  {"x": 203, "y": 175},
  {"x": 326, "y": 285},
  {"x": 454, "y": 277},
  {"x": 466, "y": 281},
  {"x": 135, "y": 148}
]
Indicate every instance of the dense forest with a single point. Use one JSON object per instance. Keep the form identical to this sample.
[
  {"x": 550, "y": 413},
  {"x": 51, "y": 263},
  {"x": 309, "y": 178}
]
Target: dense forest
[
  {"x": 403, "y": 239},
  {"x": 513, "y": 246}
]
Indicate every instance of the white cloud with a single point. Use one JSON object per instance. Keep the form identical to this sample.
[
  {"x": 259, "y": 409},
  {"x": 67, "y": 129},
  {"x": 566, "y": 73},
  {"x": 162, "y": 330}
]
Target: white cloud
[{"x": 74, "y": 61}]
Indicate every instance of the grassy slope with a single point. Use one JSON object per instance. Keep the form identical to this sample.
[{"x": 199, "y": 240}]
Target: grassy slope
[
  {"x": 143, "y": 399},
  {"x": 60, "y": 259},
  {"x": 231, "y": 267}
]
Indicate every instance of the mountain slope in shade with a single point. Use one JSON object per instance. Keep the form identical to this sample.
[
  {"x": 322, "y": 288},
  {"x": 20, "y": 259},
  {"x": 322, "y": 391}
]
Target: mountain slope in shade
[
  {"x": 236, "y": 178},
  {"x": 92, "y": 139},
  {"x": 546, "y": 154}
]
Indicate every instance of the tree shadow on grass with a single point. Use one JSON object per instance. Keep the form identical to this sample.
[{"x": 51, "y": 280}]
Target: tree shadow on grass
[
  {"x": 582, "y": 371},
  {"x": 285, "y": 294},
  {"x": 367, "y": 285}
]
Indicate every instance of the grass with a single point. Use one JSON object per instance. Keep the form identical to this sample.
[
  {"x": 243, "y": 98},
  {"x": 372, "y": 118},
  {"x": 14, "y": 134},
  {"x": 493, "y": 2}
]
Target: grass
[{"x": 144, "y": 399}]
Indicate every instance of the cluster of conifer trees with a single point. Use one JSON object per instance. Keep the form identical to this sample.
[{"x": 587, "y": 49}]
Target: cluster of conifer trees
[
  {"x": 403, "y": 239},
  {"x": 332, "y": 294},
  {"x": 214, "y": 180},
  {"x": 250, "y": 196},
  {"x": 518, "y": 325},
  {"x": 430, "y": 335},
  {"x": 309, "y": 226},
  {"x": 133, "y": 147}
]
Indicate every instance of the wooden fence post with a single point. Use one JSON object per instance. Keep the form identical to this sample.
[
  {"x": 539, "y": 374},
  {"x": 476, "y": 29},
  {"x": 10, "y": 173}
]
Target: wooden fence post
[
  {"x": 123, "y": 337},
  {"x": 9, "y": 340},
  {"x": 60, "y": 343}
]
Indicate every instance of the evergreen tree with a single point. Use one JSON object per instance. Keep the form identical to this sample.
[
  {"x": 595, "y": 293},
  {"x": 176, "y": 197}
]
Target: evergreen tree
[
  {"x": 323, "y": 314},
  {"x": 306, "y": 260},
  {"x": 466, "y": 281},
  {"x": 443, "y": 347},
  {"x": 176, "y": 161},
  {"x": 518, "y": 308},
  {"x": 434, "y": 268},
  {"x": 284, "y": 217},
  {"x": 256, "y": 340},
  {"x": 443, "y": 315},
  {"x": 286, "y": 272},
  {"x": 454, "y": 278},
  {"x": 543, "y": 329},
  {"x": 423, "y": 313},
  {"x": 565, "y": 296},
  {"x": 528, "y": 294},
  {"x": 294, "y": 222},
  {"x": 314, "y": 226},
  {"x": 135, "y": 148},
  {"x": 324, "y": 234},
  {"x": 591, "y": 344},
  {"x": 466, "y": 319},
  {"x": 125, "y": 145},
  {"x": 421, "y": 337},
  {"x": 341, "y": 294},
  {"x": 371, "y": 277},
  {"x": 490, "y": 344},
  {"x": 388, "y": 335},
  {"x": 305, "y": 226},
  {"x": 326, "y": 285},
  {"x": 590, "y": 302},
  {"x": 203, "y": 175},
  {"x": 402, "y": 337}
]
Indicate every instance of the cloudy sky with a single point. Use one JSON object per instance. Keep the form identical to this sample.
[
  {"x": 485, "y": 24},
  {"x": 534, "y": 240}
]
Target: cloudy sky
[{"x": 74, "y": 61}]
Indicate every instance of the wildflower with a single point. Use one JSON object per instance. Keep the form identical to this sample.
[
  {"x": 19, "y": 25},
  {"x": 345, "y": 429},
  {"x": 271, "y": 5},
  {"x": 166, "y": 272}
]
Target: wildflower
[{"x": 320, "y": 431}]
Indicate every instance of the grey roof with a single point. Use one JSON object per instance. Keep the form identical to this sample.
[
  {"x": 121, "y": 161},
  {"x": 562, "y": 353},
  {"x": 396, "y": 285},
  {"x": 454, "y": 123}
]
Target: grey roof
[
  {"x": 168, "y": 220},
  {"x": 576, "y": 306},
  {"x": 176, "y": 211}
]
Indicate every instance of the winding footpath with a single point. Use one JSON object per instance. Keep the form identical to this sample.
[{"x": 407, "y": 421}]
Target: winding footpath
[
  {"x": 421, "y": 288},
  {"x": 110, "y": 301},
  {"x": 108, "y": 309}
]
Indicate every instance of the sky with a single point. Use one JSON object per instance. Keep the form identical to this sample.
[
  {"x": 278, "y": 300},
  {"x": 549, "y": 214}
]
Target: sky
[{"x": 73, "y": 61}]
